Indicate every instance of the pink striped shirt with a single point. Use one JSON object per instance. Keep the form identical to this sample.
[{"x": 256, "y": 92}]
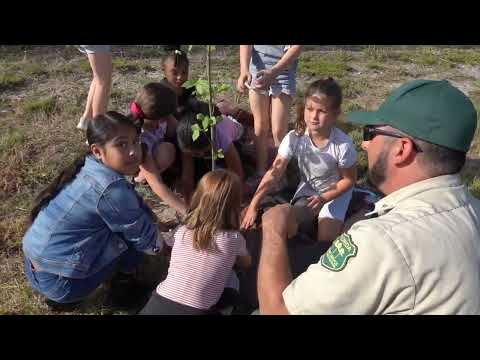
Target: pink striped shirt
[{"x": 197, "y": 278}]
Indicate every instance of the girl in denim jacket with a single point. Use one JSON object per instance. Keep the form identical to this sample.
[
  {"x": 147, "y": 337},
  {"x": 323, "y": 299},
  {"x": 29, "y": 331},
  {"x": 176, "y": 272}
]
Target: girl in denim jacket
[{"x": 90, "y": 222}]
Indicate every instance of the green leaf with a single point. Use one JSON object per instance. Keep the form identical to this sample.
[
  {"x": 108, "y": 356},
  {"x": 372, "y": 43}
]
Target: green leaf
[
  {"x": 189, "y": 83},
  {"x": 220, "y": 154},
  {"x": 222, "y": 88},
  {"x": 205, "y": 122},
  {"x": 219, "y": 119},
  {"x": 200, "y": 116},
  {"x": 195, "y": 135},
  {"x": 202, "y": 87},
  {"x": 196, "y": 132},
  {"x": 215, "y": 155}
]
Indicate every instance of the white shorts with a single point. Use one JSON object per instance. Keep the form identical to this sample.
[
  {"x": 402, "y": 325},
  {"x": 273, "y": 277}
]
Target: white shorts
[
  {"x": 337, "y": 208},
  {"x": 334, "y": 209}
]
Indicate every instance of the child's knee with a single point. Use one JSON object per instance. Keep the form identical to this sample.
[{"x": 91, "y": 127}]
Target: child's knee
[
  {"x": 329, "y": 229},
  {"x": 164, "y": 155},
  {"x": 279, "y": 133}
]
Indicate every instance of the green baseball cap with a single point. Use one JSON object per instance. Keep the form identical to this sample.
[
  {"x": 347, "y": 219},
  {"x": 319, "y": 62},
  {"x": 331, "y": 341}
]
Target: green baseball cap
[{"x": 430, "y": 110}]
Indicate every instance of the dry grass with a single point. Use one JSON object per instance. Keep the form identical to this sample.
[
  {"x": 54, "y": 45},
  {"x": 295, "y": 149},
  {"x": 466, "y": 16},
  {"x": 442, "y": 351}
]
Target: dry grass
[{"x": 43, "y": 91}]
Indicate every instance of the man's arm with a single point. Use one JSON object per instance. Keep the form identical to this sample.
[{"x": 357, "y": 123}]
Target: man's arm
[{"x": 274, "y": 275}]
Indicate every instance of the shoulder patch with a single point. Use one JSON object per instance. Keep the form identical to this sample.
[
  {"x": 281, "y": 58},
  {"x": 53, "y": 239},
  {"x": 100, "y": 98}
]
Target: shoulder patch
[{"x": 336, "y": 257}]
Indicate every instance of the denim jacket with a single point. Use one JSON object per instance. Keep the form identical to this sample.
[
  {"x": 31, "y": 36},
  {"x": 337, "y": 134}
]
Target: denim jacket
[{"x": 90, "y": 223}]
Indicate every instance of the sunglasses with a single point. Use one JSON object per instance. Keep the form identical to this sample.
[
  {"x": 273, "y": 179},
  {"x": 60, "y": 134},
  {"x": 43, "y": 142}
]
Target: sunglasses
[{"x": 369, "y": 132}]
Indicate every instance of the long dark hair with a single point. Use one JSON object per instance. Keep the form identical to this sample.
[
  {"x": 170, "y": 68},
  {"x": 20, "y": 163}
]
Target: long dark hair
[
  {"x": 326, "y": 87},
  {"x": 99, "y": 131}
]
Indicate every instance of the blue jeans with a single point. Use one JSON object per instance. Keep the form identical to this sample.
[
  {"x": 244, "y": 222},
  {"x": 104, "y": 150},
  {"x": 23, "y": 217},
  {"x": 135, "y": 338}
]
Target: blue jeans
[{"x": 67, "y": 290}]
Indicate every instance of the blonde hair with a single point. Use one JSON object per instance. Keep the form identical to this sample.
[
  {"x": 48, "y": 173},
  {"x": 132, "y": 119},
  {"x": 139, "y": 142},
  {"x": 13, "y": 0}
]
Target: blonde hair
[{"x": 215, "y": 206}]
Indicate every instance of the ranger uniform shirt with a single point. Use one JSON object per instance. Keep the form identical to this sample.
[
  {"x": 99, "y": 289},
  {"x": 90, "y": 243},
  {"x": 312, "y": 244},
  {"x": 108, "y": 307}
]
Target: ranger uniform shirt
[{"x": 421, "y": 255}]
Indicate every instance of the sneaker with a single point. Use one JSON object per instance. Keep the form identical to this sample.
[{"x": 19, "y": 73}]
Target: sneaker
[{"x": 82, "y": 124}]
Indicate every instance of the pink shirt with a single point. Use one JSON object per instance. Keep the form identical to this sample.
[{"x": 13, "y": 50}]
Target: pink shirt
[{"x": 197, "y": 278}]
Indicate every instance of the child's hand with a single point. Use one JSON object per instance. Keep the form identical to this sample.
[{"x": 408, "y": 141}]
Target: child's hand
[
  {"x": 243, "y": 78},
  {"x": 249, "y": 218},
  {"x": 148, "y": 164},
  {"x": 226, "y": 107},
  {"x": 315, "y": 202},
  {"x": 264, "y": 79}
]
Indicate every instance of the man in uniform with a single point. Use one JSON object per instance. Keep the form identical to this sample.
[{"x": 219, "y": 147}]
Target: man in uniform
[{"x": 419, "y": 251}]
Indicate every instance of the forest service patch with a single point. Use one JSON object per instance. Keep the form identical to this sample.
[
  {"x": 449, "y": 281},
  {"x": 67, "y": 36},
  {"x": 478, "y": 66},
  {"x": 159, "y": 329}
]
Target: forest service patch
[{"x": 342, "y": 249}]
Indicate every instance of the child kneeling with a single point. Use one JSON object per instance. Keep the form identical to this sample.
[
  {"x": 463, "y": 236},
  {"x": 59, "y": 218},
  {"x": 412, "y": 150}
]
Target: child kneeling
[
  {"x": 90, "y": 222},
  {"x": 326, "y": 159},
  {"x": 205, "y": 250}
]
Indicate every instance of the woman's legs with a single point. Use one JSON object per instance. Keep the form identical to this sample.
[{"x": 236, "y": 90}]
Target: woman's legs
[
  {"x": 88, "y": 107},
  {"x": 260, "y": 106},
  {"x": 280, "y": 111},
  {"x": 98, "y": 94},
  {"x": 101, "y": 64}
]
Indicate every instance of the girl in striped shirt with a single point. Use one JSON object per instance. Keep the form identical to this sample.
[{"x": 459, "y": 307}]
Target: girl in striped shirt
[{"x": 205, "y": 250}]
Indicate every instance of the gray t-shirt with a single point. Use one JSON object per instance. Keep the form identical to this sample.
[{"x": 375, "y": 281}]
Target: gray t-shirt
[{"x": 318, "y": 167}]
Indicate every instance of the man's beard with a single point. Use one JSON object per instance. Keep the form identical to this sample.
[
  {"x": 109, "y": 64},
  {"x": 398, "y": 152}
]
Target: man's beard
[{"x": 377, "y": 174}]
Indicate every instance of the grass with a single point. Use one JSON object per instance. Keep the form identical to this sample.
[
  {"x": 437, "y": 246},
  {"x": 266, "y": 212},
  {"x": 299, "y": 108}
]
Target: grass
[
  {"x": 44, "y": 105},
  {"x": 474, "y": 186},
  {"x": 10, "y": 80},
  {"x": 11, "y": 139},
  {"x": 46, "y": 97},
  {"x": 375, "y": 66},
  {"x": 333, "y": 65},
  {"x": 124, "y": 66}
]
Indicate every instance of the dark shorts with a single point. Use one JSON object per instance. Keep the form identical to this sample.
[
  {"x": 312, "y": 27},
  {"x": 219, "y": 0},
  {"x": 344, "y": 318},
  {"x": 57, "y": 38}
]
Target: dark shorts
[{"x": 159, "y": 305}]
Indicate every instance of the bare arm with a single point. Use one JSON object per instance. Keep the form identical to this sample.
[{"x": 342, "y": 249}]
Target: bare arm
[
  {"x": 188, "y": 173},
  {"x": 274, "y": 273},
  {"x": 272, "y": 176},
  {"x": 233, "y": 161},
  {"x": 287, "y": 59},
  {"x": 245, "y": 76},
  {"x": 270, "y": 74},
  {"x": 171, "y": 127},
  {"x": 349, "y": 177},
  {"x": 154, "y": 179}
]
